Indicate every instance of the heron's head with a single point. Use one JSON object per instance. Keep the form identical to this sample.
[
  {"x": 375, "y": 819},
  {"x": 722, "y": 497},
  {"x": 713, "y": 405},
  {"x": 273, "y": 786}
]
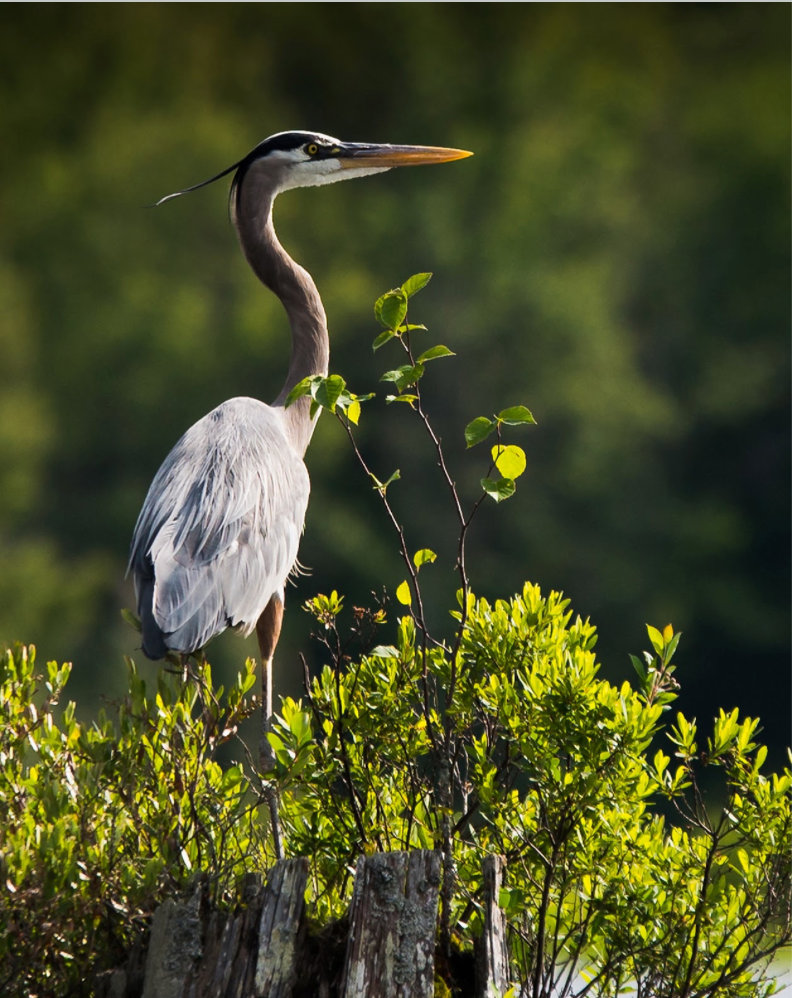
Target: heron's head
[{"x": 307, "y": 159}]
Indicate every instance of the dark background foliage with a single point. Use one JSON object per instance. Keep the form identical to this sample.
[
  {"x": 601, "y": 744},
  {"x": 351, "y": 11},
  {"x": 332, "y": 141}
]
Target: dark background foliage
[{"x": 615, "y": 256}]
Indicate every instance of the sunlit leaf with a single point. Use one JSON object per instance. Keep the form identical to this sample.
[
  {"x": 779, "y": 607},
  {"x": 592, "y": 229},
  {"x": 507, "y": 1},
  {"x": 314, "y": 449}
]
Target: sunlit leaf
[
  {"x": 434, "y": 352},
  {"x": 499, "y": 489},
  {"x": 509, "y": 460},
  {"x": 391, "y": 309},
  {"x": 301, "y": 388},
  {"x": 656, "y": 638},
  {"x": 414, "y": 284},
  {"x": 403, "y": 594},
  {"x": 385, "y": 651},
  {"x": 423, "y": 557},
  {"x": 404, "y": 376},
  {"x": 515, "y": 415},
  {"x": 329, "y": 391}
]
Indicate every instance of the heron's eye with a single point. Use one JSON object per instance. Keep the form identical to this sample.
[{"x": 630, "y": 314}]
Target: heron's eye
[{"x": 312, "y": 149}]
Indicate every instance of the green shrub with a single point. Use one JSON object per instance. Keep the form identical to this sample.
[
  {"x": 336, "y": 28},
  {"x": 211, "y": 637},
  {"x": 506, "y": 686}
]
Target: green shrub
[
  {"x": 101, "y": 821},
  {"x": 560, "y": 772}
]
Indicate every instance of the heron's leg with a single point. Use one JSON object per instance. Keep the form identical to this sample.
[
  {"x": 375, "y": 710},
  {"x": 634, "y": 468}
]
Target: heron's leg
[{"x": 268, "y": 631}]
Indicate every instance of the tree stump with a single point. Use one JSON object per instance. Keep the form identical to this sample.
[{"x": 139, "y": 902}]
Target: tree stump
[
  {"x": 393, "y": 923},
  {"x": 492, "y": 954},
  {"x": 281, "y": 922},
  {"x": 175, "y": 946}
]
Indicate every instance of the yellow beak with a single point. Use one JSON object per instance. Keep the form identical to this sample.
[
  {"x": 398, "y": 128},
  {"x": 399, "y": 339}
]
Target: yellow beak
[{"x": 357, "y": 154}]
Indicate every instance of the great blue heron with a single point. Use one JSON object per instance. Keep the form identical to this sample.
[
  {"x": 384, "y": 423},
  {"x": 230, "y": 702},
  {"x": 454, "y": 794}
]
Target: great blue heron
[{"x": 219, "y": 530}]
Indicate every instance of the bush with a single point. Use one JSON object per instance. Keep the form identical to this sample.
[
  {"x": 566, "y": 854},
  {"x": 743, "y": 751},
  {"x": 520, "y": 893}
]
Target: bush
[{"x": 102, "y": 821}]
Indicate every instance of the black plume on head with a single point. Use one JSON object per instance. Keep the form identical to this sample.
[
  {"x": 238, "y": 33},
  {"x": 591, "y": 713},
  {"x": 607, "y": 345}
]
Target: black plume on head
[{"x": 282, "y": 141}]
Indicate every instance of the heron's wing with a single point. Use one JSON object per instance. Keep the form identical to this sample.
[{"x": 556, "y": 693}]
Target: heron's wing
[{"x": 219, "y": 530}]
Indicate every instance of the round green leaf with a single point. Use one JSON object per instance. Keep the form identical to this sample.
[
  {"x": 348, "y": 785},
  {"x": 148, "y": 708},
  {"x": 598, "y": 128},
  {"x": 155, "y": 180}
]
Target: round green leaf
[
  {"x": 478, "y": 430},
  {"x": 403, "y": 594},
  {"x": 328, "y": 392},
  {"x": 509, "y": 460},
  {"x": 391, "y": 309},
  {"x": 500, "y": 489},
  {"x": 515, "y": 415}
]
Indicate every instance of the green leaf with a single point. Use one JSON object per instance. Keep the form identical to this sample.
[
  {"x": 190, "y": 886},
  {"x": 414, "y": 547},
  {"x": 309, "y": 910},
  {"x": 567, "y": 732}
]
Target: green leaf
[
  {"x": 329, "y": 391},
  {"x": 414, "y": 284},
  {"x": 509, "y": 460},
  {"x": 301, "y": 388},
  {"x": 401, "y": 398},
  {"x": 639, "y": 667},
  {"x": 353, "y": 412},
  {"x": 423, "y": 557},
  {"x": 382, "y": 486},
  {"x": 403, "y": 594},
  {"x": 391, "y": 309},
  {"x": 500, "y": 489},
  {"x": 479, "y": 430},
  {"x": 434, "y": 352},
  {"x": 385, "y": 651},
  {"x": 656, "y": 638},
  {"x": 382, "y": 339},
  {"x": 672, "y": 646},
  {"x": 515, "y": 415},
  {"x": 404, "y": 376}
]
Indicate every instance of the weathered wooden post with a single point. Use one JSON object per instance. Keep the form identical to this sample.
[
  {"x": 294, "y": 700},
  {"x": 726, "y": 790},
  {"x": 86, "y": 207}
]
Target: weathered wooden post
[
  {"x": 175, "y": 946},
  {"x": 492, "y": 954},
  {"x": 393, "y": 924},
  {"x": 281, "y": 922}
]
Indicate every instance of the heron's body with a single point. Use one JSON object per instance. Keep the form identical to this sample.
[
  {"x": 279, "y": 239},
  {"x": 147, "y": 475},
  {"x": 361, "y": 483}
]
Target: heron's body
[{"x": 220, "y": 528}]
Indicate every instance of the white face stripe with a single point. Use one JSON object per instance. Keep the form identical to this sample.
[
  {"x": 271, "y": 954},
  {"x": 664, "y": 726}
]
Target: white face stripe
[
  {"x": 298, "y": 169},
  {"x": 315, "y": 173}
]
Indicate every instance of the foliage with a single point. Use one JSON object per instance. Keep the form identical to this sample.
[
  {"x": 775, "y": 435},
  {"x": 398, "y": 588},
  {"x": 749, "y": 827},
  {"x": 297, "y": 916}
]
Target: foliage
[
  {"x": 553, "y": 770},
  {"x": 102, "y": 821}
]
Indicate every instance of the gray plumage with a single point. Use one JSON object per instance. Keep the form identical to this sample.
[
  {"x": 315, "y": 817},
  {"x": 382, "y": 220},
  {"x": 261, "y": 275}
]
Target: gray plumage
[{"x": 219, "y": 529}]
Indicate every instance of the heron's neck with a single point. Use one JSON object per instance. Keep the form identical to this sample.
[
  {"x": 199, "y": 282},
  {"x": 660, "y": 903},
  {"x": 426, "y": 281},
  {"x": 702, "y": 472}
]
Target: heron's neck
[{"x": 294, "y": 286}]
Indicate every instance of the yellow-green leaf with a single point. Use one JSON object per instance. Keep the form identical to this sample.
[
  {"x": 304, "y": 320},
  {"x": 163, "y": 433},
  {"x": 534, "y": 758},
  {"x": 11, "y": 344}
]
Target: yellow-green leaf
[
  {"x": 423, "y": 557},
  {"x": 403, "y": 594},
  {"x": 656, "y": 638},
  {"x": 509, "y": 460}
]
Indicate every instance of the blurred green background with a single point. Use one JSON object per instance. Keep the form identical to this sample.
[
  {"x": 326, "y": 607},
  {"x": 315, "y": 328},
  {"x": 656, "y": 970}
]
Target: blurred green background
[{"x": 615, "y": 256}]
